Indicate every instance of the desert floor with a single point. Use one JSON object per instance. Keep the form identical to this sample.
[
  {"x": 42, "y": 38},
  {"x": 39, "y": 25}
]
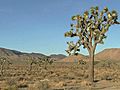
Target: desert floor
[{"x": 60, "y": 76}]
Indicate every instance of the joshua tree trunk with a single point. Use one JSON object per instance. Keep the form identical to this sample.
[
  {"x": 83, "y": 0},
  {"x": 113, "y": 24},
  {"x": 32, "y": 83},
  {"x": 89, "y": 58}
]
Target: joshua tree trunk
[
  {"x": 91, "y": 62},
  {"x": 91, "y": 67}
]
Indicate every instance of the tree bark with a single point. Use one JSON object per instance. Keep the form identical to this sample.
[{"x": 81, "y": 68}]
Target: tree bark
[{"x": 91, "y": 67}]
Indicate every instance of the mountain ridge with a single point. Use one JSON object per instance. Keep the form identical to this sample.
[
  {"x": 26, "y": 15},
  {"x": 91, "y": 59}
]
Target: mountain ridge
[
  {"x": 106, "y": 54},
  {"x": 109, "y": 53},
  {"x": 14, "y": 54}
]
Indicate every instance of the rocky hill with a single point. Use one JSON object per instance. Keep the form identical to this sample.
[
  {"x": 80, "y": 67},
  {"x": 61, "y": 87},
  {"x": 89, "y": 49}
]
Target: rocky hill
[
  {"x": 58, "y": 56},
  {"x": 18, "y": 56},
  {"x": 108, "y": 54},
  {"x": 74, "y": 58}
]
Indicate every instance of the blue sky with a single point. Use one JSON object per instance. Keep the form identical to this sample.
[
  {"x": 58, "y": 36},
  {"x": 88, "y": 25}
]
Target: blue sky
[{"x": 39, "y": 25}]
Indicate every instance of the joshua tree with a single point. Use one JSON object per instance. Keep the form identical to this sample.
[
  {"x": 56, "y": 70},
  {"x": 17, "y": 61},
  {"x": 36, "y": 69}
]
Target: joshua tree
[
  {"x": 47, "y": 60},
  {"x": 90, "y": 28},
  {"x": 3, "y": 61},
  {"x": 40, "y": 61},
  {"x": 32, "y": 60}
]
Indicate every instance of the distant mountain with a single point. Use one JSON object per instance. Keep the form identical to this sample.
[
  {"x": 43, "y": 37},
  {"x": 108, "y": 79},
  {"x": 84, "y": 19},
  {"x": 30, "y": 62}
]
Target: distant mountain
[
  {"x": 57, "y": 56},
  {"x": 108, "y": 54},
  {"x": 7, "y": 52},
  {"x": 74, "y": 58},
  {"x": 17, "y": 55}
]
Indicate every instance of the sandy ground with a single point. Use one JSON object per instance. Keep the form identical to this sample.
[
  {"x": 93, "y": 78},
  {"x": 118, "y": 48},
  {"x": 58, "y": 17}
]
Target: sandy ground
[{"x": 61, "y": 76}]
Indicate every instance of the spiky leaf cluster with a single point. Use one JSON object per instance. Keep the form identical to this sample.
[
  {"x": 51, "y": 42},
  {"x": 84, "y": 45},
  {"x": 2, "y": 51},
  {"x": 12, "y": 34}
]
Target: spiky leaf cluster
[{"x": 91, "y": 28}]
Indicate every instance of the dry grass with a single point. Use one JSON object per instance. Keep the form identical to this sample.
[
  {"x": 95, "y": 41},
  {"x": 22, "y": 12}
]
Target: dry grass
[{"x": 60, "y": 76}]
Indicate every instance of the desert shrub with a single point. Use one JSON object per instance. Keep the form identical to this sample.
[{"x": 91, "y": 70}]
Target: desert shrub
[
  {"x": 43, "y": 85},
  {"x": 22, "y": 86},
  {"x": 81, "y": 62},
  {"x": 39, "y": 85},
  {"x": 106, "y": 77},
  {"x": 107, "y": 64},
  {"x": 11, "y": 82},
  {"x": 13, "y": 87}
]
